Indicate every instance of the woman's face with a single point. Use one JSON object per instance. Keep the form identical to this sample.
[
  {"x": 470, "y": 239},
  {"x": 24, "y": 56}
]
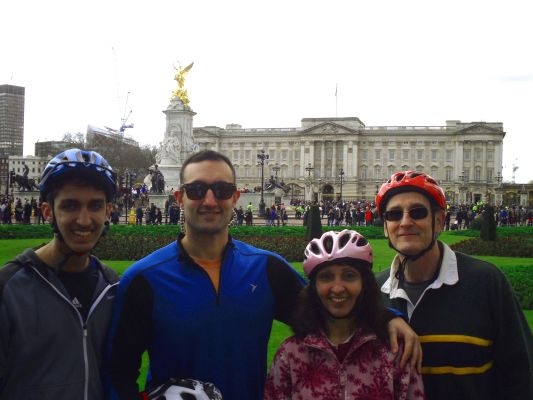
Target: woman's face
[{"x": 338, "y": 287}]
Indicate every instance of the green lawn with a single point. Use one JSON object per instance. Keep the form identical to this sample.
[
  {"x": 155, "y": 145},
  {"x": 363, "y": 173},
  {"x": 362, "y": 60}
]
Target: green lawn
[{"x": 382, "y": 256}]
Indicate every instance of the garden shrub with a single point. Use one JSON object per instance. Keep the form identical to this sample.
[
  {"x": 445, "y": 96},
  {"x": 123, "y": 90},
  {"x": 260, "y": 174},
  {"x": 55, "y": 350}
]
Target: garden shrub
[
  {"x": 314, "y": 224},
  {"x": 20, "y": 231},
  {"x": 134, "y": 247},
  {"x": 521, "y": 279},
  {"x": 503, "y": 247},
  {"x": 488, "y": 225}
]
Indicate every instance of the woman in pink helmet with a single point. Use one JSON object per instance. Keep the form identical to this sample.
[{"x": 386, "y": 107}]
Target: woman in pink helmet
[{"x": 339, "y": 349}]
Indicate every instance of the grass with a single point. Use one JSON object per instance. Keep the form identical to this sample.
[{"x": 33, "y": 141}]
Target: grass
[{"x": 382, "y": 256}]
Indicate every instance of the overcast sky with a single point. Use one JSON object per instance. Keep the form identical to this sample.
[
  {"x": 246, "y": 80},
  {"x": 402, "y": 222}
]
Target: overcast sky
[{"x": 271, "y": 63}]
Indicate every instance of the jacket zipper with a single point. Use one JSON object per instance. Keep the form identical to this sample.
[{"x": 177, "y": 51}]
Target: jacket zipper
[
  {"x": 217, "y": 293},
  {"x": 83, "y": 325}
]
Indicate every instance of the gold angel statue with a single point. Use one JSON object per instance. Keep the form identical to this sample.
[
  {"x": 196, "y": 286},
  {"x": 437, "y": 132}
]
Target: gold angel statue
[{"x": 180, "y": 92}]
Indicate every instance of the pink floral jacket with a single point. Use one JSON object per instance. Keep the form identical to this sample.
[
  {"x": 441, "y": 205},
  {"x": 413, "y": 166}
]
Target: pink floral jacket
[{"x": 308, "y": 369}]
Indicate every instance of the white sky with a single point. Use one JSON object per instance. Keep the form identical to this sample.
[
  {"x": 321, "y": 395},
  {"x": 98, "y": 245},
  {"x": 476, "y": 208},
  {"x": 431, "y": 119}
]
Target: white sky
[{"x": 271, "y": 63}]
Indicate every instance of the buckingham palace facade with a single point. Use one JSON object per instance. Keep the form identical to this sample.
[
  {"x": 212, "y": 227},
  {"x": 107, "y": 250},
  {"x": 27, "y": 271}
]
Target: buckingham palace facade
[{"x": 330, "y": 158}]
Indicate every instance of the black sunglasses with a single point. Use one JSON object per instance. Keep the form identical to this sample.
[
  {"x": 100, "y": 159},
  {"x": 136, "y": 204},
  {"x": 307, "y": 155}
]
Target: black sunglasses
[
  {"x": 414, "y": 213},
  {"x": 197, "y": 190}
]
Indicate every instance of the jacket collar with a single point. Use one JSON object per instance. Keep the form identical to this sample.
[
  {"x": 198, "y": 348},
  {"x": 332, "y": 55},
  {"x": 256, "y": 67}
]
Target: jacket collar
[
  {"x": 184, "y": 256},
  {"x": 320, "y": 341}
]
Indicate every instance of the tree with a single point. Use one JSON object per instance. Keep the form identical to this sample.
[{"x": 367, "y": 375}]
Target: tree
[
  {"x": 488, "y": 225},
  {"x": 76, "y": 139},
  {"x": 314, "y": 224}
]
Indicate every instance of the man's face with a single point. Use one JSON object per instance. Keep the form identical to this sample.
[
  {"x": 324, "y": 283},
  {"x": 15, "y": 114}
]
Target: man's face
[
  {"x": 80, "y": 213},
  {"x": 409, "y": 235},
  {"x": 207, "y": 215}
]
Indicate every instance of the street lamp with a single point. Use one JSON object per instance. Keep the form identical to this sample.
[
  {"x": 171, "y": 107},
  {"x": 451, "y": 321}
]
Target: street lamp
[
  {"x": 309, "y": 168},
  {"x": 276, "y": 168},
  {"x": 462, "y": 187},
  {"x": 341, "y": 175},
  {"x": 309, "y": 179},
  {"x": 261, "y": 158},
  {"x": 499, "y": 179}
]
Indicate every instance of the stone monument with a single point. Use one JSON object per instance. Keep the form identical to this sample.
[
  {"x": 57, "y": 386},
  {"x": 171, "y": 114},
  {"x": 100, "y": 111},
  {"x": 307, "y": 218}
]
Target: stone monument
[{"x": 178, "y": 142}]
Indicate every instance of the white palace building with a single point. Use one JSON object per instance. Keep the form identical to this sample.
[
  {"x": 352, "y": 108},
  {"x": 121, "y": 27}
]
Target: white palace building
[{"x": 329, "y": 158}]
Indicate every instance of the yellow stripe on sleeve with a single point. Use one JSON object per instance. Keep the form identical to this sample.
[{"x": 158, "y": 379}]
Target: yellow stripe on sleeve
[
  {"x": 455, "y": 339},
  {"x": 457, "y": 370}
]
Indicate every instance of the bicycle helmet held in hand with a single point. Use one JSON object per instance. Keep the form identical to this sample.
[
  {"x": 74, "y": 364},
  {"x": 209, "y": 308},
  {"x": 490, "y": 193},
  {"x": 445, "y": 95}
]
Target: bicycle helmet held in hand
[
  {"x": 333, "y": 247},
  {"x": 185, "y": 389},
  {"x": 410, "y": 181},
  {"x": 74, "y": 163}
]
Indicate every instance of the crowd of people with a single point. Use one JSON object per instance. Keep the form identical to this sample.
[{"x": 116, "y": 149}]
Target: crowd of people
[{"x": 437, "y": 324}]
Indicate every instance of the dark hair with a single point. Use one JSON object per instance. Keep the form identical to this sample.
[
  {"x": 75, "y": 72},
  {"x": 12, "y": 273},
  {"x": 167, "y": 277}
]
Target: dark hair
[
  {"x": 206, "y": 155},
  {"x": 309, "y": 314}
]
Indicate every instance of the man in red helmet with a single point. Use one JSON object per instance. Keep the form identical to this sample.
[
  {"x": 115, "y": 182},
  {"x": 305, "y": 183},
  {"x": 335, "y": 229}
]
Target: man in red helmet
[{"x": 476, "y": 342}]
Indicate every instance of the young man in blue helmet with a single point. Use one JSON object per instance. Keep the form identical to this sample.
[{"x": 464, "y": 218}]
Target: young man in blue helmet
[
  {"x": 55, "y": 302},
  {"x": 476, "y": 341}
]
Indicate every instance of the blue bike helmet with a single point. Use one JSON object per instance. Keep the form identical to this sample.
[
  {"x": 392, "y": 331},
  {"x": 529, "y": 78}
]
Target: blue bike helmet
[{"x": 76, "y": 163}]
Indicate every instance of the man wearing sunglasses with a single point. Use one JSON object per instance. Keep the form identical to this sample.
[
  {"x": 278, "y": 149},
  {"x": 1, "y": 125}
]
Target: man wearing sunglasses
[
  {"x": 476, "y": 341},
  {"x": 203, "y": 306}
]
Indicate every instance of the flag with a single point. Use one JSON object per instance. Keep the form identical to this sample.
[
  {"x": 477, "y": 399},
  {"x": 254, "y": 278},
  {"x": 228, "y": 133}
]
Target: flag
[{"x": 335, "y": 90}]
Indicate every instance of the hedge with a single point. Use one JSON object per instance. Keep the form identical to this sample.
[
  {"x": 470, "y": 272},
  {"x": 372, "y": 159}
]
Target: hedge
[
  {"x": 520, "y": 246},
  {"x": 521, "y": 279}
]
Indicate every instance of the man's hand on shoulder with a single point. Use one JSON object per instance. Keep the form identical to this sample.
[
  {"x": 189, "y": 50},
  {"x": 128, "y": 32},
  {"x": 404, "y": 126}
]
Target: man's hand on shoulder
[{"x": 412, "y": 355}]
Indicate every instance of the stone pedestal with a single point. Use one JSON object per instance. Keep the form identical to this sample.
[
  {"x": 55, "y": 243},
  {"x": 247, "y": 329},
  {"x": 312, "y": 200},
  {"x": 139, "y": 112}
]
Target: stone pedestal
[{"x": 178, "y": 143}]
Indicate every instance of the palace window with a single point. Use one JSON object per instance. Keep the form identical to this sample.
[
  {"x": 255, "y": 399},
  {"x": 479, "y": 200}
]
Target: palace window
[
  {"x": 363, "y": 172},
  {"x": 449, "y": 172},
  {"x": 405, "y": 154},
  {"x": 477, "y": 154},
  {"x": 449, "y": 155},
  {"x": 477, "y": 174},
  {"x": 434, "y": 155},
  {"x": 377, "y": 172},
  {"x": 434, "y": 173},
  {"x": 377, "y": 153},
  {"x": 466, "y": 154},
  {"x": 391, "y": 155},
  {"x": 420, "y": 155}
]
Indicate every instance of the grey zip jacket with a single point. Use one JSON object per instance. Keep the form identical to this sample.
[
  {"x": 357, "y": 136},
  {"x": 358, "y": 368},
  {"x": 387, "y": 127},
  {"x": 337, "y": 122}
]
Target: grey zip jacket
[{"x": 46, "y": 350}]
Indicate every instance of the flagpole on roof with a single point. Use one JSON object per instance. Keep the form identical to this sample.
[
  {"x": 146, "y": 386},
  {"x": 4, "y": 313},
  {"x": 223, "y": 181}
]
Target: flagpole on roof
[{"x": 336, "y": 87}]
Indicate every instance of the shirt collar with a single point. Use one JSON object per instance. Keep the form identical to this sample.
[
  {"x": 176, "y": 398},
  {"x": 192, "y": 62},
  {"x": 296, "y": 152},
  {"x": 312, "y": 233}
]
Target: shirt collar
[{"x": 448, "y": 274}]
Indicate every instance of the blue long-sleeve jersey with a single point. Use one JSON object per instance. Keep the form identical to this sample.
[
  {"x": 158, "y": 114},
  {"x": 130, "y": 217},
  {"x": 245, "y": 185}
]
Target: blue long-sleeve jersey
[{"x": 167, "y": 304}]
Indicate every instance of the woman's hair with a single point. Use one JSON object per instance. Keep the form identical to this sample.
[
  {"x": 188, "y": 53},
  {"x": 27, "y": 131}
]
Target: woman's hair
[{"x": 309, "y": 315}]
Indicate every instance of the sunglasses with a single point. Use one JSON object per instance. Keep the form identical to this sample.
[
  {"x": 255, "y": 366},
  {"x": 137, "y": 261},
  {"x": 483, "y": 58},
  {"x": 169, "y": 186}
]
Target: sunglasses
[
  {"x": 414, "y": 213},
  {"x": 197, "y": 190}
]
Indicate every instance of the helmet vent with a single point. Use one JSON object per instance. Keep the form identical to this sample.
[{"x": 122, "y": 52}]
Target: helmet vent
[
  {"x": 315, "y": 249},
  {"x": 399, "y": 177},
  {"x": 361, "y": 242},
  {"x": 343, "y": 240},
  {"x": 415, "y": 175},
  {"x": 328, "y": 244}
]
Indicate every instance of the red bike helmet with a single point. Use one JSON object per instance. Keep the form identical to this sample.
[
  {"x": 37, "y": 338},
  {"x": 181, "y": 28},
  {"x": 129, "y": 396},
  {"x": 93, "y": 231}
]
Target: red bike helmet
[
  {"x": 332, "y": 246},
  {"x": 410, "y": 181}
]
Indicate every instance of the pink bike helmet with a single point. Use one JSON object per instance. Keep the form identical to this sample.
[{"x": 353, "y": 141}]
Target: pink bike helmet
[{"x": 336, "y": 247}]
